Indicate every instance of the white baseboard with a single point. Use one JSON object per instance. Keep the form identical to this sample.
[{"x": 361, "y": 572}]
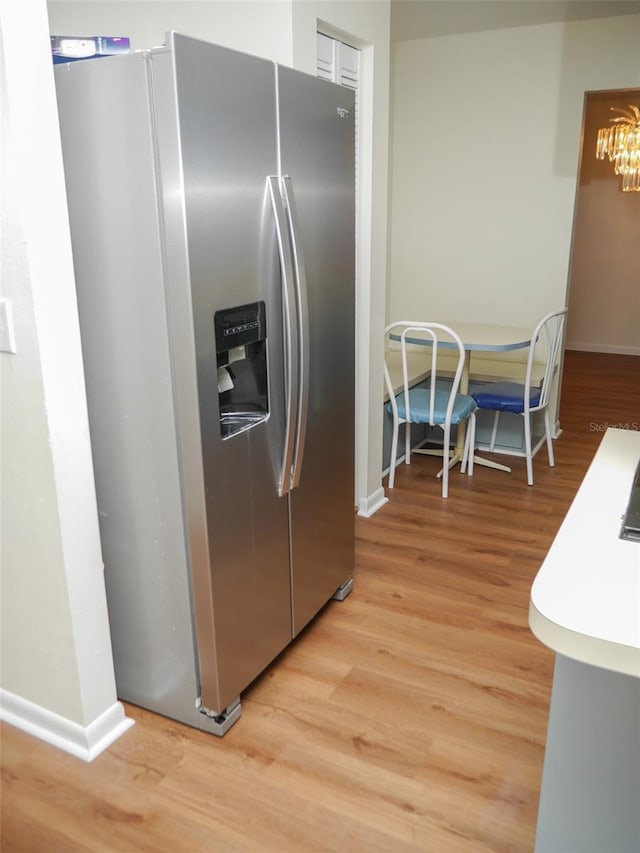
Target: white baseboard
[
  {"x": 85, "y": 742},
  {"x": 368, "y": 505},
  {"x": 606, "y": 348}
]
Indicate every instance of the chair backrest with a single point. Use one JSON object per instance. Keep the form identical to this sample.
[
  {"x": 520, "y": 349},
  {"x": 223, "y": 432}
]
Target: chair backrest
[
  {"x": 548, "y": 334},
  {"x": 429, "y": 340}
]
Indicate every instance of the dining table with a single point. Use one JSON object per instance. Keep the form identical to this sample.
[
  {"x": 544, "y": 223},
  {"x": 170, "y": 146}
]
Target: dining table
[{"x": 480, "y": 337}]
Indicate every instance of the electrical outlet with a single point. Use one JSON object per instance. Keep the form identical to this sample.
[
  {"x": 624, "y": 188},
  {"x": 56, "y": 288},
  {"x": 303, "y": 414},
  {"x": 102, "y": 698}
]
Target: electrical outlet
[{"x": 7, "y": 337}]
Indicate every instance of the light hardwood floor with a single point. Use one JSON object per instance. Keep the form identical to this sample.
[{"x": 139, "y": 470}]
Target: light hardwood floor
[{"x": 410, "y": 717}]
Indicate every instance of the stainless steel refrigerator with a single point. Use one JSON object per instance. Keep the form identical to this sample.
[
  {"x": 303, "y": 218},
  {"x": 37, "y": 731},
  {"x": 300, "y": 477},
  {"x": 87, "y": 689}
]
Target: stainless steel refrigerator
[{"x": 211, "y": 198}]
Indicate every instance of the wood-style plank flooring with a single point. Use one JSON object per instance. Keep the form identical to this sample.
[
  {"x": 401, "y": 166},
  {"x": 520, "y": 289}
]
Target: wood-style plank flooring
[{"x": 410, "y": 717}]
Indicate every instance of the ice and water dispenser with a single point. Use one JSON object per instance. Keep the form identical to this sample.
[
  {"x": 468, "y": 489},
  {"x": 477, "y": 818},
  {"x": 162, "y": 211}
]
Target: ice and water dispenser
[{"x": 241, "y": 349}]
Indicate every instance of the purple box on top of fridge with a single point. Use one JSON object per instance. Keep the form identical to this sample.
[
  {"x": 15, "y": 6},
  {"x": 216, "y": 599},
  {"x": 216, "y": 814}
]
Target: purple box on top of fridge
[{"x": 72, "y": 48}]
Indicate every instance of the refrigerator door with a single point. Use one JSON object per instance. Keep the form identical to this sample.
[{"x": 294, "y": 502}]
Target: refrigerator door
[
  {"x": 227, "y": 140},
  {"x": 317, "y": 155}
]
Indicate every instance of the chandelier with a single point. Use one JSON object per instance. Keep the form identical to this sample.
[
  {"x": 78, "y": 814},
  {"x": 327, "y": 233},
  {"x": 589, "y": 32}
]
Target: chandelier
[{"x": 621, "y": 144}]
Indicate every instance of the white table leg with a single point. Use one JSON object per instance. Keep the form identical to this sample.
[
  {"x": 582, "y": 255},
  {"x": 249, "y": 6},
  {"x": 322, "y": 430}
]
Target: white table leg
[
  {"x": 455, "y": 455},
  {"x": 489, "y": 463},
  {"x": 477, "y": 460}
]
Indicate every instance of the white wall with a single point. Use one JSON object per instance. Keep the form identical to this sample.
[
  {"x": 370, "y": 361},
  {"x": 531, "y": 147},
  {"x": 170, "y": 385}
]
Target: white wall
[
  {"x": 485, "y": 140},
  {"x": 56, "y": 652}
]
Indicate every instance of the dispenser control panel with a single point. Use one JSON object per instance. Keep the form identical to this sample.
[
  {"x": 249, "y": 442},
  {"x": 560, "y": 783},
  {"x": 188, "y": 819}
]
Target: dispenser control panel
[{"x": 241, "y": 325}]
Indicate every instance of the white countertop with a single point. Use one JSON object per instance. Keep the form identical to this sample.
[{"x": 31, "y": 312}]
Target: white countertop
[{"x": 585, "y": 600}]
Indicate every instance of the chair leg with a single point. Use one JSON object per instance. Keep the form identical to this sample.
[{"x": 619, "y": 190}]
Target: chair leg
[
  {"x": 469, "y": 447},
  {"x": 465, "y": 449},
  {"x": 472, "y": 443},
  {"x": 393, "y": 458},
  {"x": 527, "y": 448},
  {"x": 547, "y": 429},
  {"x": 407, "y": 443},
  {"x": 494, "y": 431},
  {"x": 445, "y": 461}
]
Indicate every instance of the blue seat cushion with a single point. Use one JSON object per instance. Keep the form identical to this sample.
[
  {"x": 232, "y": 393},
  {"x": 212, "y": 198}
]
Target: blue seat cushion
[
  {"x": 505, "y": 397},
  {"x": 419, "y": 399}
]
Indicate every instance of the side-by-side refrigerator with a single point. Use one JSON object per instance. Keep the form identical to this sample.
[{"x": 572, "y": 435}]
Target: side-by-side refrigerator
[{"x": 211, "y": 199}]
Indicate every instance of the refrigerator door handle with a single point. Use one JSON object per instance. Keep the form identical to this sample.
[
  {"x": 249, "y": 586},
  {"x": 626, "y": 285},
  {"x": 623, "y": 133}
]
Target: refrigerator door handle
[
  {"x": 302, "y": 315},
  {"x": 291, "y": 362}
]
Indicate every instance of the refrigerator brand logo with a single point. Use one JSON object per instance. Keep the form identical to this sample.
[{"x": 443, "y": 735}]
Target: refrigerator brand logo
[{"x": 342, "y": 112}]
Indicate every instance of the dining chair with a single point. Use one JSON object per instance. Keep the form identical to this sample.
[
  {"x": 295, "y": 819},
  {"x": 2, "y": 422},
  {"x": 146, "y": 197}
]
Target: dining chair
[
  {"x": 436, "y": 401},
  {"x": 525, "y": 398}
]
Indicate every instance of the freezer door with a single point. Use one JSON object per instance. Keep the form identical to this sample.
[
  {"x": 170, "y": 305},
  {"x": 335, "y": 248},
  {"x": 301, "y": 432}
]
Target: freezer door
[
  {"x": 233, "y": 336},
  {"x": 113, "y": 213},
  {"x": 317, "y": 158}
]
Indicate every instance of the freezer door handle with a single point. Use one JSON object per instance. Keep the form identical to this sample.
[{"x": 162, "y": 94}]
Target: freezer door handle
[
  {"x": 291, "y": 361},
  {"x": 302, "y": 315}
]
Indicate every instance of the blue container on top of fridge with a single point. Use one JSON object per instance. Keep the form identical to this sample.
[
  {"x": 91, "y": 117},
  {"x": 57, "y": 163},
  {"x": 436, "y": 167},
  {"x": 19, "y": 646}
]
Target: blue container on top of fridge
[{"x": 73, "y": 48}]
